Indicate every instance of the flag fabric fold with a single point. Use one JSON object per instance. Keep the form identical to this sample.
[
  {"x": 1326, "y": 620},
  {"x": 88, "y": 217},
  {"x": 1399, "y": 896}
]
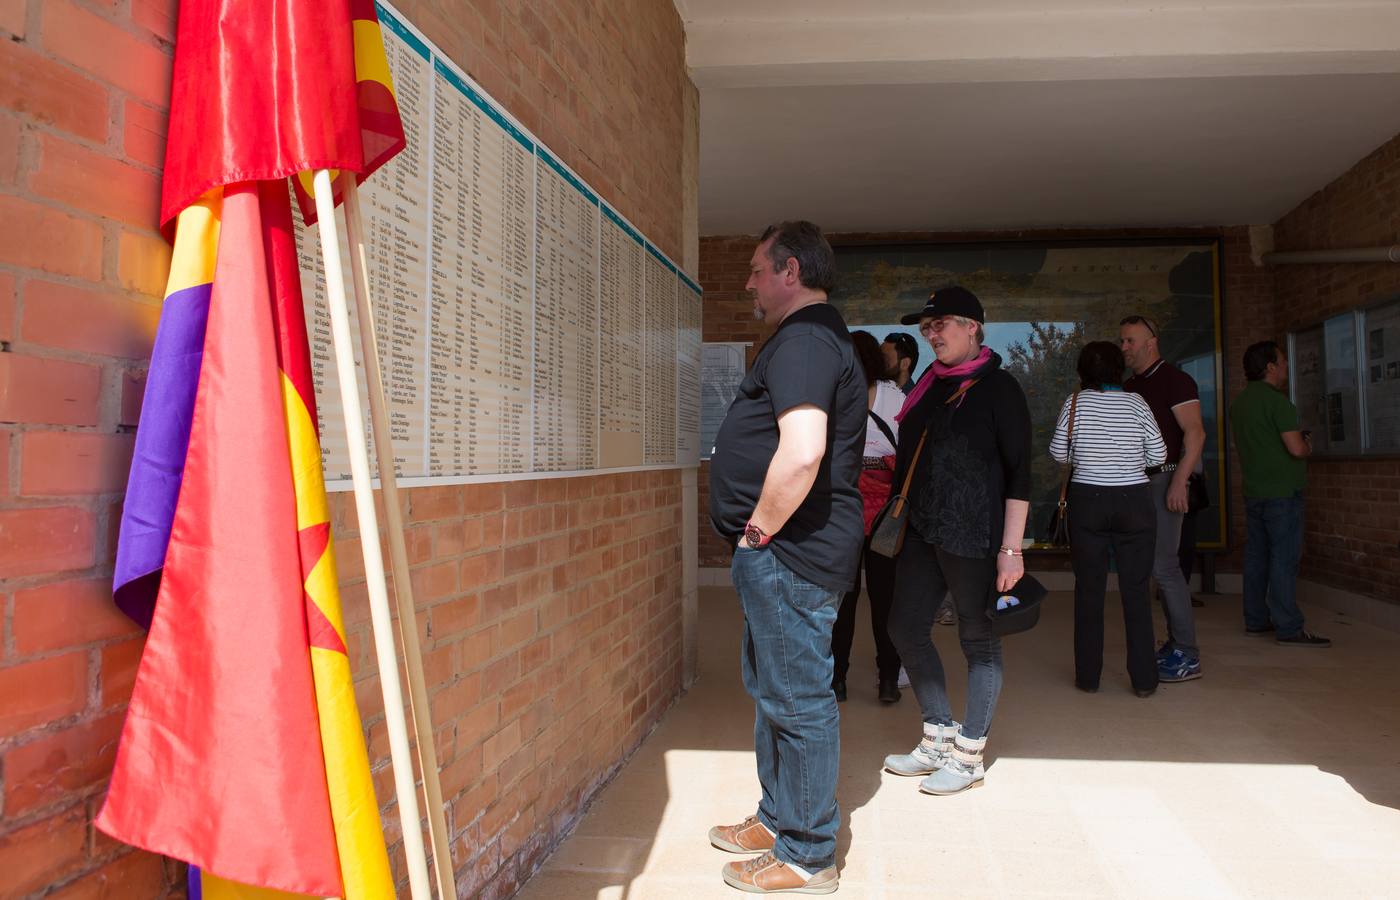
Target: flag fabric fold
[
  {"x": 266, "y": 89},
  {"x": 242, "y": 752}
]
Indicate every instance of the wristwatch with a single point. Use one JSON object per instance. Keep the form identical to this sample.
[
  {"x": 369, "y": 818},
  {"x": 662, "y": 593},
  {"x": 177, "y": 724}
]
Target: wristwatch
[{"x": 755, "y": 537}]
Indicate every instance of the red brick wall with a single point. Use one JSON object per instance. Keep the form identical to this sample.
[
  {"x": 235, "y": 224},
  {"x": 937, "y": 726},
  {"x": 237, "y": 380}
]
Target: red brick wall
[
  {"x": 1247, "y": 307},
  {"x": 550, "y": 610},
  {"x": 1353, "y": 519}
]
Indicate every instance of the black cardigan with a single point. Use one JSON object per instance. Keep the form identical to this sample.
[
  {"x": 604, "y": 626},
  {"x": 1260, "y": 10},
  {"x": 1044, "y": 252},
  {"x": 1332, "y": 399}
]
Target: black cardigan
[{"x": 977, "y": 455}]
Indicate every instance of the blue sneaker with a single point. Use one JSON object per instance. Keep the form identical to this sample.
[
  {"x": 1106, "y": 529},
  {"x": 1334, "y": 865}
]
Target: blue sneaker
[
  {"x": 1176, "y": 666},
  {"x": 1164, "y": 651}
]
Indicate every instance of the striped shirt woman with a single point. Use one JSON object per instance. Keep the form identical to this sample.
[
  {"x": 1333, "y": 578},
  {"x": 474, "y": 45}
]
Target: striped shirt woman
[{"x": 1115, "y": 438}]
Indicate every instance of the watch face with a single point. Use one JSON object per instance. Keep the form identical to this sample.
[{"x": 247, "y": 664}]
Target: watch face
[{"x": 753, "y": 537}]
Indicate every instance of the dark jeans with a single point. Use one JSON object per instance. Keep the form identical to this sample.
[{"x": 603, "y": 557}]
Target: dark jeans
[
  {"x": 1124, "y": 520},
  {"x": 1186, "y": 552},
  {"x": 1273, "y": 544},
  {"x": 923, "y": 574},
  {"x": 786, "y": 664},
  {"x": 879, "y": 587}
]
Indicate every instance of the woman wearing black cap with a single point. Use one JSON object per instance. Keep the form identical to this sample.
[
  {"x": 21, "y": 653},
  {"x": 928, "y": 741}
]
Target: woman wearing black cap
[{"x": 966, "y": 432}]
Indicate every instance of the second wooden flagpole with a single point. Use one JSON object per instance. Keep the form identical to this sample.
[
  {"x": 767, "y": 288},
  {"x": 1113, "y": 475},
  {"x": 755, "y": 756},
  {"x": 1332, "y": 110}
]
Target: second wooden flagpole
[
  {"x": 394, "y": 721},
  {"x": 398, "y": 552}
]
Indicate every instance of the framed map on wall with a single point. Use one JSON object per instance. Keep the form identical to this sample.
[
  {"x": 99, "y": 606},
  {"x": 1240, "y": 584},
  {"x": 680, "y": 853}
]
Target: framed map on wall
[{"x": 1044, "y": 300}]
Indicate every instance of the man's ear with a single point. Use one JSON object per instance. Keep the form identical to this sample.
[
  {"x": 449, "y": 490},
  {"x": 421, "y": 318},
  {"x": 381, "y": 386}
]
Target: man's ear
[{"x": 793, "y": 269}]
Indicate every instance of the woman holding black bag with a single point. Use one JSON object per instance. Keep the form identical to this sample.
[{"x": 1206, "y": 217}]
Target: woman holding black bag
[
  {"x": 965, "y": 445},
  {"x": 1109, "y": 437},
  {"x": 885, "y": 400}
]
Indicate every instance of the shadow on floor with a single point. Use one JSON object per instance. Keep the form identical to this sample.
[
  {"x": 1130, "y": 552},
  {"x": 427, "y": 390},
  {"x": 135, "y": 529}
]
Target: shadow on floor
[{"x": 1192, "y": 772}]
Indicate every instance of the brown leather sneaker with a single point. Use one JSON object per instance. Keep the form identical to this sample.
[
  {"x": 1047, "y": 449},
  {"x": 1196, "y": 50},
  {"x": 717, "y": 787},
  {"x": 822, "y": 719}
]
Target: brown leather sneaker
[
  {"x": 768, "y": 875},
  {"x": 749, "y": 836}
]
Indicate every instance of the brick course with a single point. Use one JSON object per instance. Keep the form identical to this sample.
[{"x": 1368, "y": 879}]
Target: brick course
[{"x": 549, "y": 610}]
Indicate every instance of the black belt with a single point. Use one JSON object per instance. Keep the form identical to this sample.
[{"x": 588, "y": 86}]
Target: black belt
[{"x": 1158, "y": 470}]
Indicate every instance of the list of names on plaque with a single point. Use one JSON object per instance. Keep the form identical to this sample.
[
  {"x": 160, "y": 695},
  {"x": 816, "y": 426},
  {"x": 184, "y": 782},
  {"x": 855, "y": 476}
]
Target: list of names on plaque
[
  {"x": 659, "y": 399},
  {"x": 522, "y": 325},
  {"x": 566, "y": 316},
  {"x": 621, "y": 328},
  {"x": 688, "y": 343}
]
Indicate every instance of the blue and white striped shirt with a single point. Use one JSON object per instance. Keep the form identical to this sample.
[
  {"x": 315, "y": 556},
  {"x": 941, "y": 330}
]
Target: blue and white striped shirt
[{"x": 1115, "y": 438}]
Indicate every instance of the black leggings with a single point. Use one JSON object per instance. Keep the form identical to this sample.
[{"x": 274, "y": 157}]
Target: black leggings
[
  {"x": 1124, "y": 520},
  {"x": 879, "y": 585}
]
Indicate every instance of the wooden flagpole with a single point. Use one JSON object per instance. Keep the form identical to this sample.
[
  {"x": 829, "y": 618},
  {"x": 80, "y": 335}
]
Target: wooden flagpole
[
  {"x": 369, "y": 541},
  {"x": 398, "y": 551}
]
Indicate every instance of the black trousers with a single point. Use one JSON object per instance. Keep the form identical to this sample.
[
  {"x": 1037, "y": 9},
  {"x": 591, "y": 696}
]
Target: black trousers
[
  {"x": 879, "y": 585},
  {"x": 1121, "y": 519}
]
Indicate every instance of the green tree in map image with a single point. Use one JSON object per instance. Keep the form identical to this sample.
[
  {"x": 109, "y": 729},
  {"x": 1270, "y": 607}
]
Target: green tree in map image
[{"x": 1044, "y": 364}]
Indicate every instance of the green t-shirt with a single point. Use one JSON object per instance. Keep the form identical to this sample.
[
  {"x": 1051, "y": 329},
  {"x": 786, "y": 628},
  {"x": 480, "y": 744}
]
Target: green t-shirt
[{"x": 1258, "y": 418}]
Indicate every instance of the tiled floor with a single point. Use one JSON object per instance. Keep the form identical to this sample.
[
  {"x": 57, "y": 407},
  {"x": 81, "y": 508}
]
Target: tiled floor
[{"x": 1276, "y": 775}]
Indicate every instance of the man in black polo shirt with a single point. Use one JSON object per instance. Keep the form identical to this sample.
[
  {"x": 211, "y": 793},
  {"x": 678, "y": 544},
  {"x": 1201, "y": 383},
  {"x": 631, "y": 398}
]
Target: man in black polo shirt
[
  {"x": 1176, "y": 405},
  {"x": 783, "y": 490}
]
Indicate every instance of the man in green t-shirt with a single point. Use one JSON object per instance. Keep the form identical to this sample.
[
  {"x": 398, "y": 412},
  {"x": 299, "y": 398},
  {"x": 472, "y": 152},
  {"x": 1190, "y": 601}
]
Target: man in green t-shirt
[{"x": 1272, "y": 453}]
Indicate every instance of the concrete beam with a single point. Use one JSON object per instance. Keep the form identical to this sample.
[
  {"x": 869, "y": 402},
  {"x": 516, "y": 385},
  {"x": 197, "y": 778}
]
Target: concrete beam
[{"x": 994, "y": 42}]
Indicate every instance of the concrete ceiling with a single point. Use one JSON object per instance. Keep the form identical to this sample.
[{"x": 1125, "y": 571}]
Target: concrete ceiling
[{"x": 1003, "y": 114}]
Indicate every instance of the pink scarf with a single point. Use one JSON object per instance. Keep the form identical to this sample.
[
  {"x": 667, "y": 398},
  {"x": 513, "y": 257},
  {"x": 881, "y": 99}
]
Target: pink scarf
[{"x": 939, "y": 371}]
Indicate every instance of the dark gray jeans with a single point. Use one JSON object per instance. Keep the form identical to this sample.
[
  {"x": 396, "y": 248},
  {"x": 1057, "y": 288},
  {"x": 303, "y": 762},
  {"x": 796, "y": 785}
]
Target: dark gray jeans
[
  {"x": 1166, "y": 569},
  {"x": 923, "y": 573}
]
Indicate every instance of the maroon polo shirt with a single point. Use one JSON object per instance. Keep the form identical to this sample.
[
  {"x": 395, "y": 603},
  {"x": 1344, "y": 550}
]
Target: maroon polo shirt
[{"x": 1165, "y": 387}]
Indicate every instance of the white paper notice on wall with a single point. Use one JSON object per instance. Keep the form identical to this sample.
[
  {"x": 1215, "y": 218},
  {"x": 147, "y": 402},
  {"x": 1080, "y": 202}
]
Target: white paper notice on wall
[
  {"x": 721, "y": 370},
  {"x": 525, "y": 328}
]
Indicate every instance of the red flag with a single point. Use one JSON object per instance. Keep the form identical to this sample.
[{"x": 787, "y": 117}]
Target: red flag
[
  {"x": 221, "y": 761},
  {"x": 265, "y": 89}
]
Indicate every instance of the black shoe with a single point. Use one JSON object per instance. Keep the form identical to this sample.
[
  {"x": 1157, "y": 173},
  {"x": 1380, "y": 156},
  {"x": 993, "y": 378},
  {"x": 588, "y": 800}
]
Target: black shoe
[
  {"x": 1086, "y": 688},
  {"x": 889, "y": 691},
  {"x": 1144, "y": 692},
  {"x": 1197, "y": 603},
  {"x": 838, "y": 687},
  {"x": 1304, "y": 639},
  {"x": 1258, "y": 632}
]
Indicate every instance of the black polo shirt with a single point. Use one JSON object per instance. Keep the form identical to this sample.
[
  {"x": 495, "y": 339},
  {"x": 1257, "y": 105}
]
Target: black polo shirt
[
  {"x": 808, "y": 360},
  {"x": 1165, "y": 387}
]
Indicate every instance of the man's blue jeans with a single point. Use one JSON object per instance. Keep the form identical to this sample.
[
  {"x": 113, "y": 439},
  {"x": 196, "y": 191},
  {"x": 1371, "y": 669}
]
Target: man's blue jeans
[
  {"x": 786, "y": 660},
  {"x": 1272, "y": 547}
]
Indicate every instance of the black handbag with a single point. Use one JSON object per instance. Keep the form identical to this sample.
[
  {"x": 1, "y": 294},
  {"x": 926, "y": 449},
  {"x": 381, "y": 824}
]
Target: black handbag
[
  {"x": 1058, "y": 527},
  {"x": 887, "y": 531},
  {"x": 1023, "y": 614}
]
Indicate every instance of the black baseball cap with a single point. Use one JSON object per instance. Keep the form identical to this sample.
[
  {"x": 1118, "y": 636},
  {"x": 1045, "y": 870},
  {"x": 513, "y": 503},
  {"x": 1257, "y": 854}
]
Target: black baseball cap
[{"x": 949, "y": 301}]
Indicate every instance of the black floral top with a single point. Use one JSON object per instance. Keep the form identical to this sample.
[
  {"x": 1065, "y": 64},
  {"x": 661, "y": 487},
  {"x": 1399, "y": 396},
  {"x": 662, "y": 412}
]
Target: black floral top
[{"x": 977, "y": 455}]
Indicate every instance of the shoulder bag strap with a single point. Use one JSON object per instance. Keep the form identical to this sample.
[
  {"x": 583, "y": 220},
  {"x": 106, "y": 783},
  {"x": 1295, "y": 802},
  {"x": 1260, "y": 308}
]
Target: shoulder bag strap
[
  {"x": 884, "y": 428},
  {"x": 918, "y": 451}
]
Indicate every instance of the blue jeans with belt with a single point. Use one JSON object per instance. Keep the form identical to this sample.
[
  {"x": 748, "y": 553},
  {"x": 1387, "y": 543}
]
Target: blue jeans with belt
[
  {"x": 1272, "y": 547},
  {"x": 787, "y": 666}
]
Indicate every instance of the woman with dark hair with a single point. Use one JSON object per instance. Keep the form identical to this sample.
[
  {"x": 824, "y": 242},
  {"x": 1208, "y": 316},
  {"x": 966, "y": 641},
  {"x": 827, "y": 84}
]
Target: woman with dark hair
[
  {"x": 884, "y": 398},
  {"x": 965, "y": 435},
  {"x": 1109, "y": 437}
]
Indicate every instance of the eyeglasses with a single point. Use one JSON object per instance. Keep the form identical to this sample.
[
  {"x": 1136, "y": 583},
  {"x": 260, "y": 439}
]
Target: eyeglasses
[{"x": 1143, "y": 321}]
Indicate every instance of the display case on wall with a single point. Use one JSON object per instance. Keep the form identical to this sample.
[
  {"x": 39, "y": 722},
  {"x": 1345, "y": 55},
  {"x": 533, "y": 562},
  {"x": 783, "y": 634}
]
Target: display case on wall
[{"x": 1344, "y": 377}]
